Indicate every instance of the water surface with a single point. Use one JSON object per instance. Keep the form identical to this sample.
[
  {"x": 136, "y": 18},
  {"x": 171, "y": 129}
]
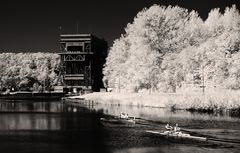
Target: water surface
[{"x": 29, "y": 126}]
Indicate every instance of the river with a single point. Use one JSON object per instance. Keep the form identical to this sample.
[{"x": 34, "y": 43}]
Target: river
[{"x": 40, "y": 127}]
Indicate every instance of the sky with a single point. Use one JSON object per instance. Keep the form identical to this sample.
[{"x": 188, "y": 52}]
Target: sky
[{"x": 33, "y": 25}]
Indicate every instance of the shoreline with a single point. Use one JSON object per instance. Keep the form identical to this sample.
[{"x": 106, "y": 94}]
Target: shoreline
[{"x": 219, "y": 103}]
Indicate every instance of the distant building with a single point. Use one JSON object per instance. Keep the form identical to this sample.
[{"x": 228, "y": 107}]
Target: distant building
[{"x": 82, "y": 59}]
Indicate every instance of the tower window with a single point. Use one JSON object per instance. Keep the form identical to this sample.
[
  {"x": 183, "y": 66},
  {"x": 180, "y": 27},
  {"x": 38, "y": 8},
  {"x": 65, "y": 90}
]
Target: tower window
[{"x": 75, "y": 48}]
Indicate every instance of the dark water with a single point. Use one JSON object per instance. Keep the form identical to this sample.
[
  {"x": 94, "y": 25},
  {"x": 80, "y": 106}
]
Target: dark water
[{"x": 37, "y": 127}]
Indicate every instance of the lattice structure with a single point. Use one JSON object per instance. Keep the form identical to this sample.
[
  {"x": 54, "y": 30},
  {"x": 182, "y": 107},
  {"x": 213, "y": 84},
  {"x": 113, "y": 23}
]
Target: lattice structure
[{"x": 82, "y": 58}]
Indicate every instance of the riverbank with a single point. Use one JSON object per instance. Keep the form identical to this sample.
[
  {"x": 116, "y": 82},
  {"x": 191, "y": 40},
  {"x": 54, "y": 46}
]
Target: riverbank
[
  {"x": 211, "y": 102},
  {"x": 32, "y": 95}
]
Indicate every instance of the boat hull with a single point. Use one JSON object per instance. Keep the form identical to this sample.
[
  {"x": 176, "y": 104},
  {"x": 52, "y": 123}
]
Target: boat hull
[
  {"x": 177, "y": 136},
  {"x": 117, "y": 121}
]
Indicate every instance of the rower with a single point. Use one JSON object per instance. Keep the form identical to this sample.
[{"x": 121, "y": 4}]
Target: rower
[
  {"x": 168, "y": 127},
  {"x": 123, "y": 115},
  {"x": 177, "y": 129}
]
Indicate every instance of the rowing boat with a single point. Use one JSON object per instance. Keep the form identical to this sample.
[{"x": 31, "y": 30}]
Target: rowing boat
[
  {"x": 177, "y": 135},
  {"x": 117, "y": 121}
]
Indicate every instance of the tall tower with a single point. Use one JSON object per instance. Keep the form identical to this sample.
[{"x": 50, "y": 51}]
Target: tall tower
[{"x": 82, "y": 59}]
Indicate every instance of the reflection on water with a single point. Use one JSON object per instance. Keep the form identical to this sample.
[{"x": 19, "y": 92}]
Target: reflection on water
[
  {"x": 65, "y": 127},
  {"x": 221, "y": 129},
  {"x": 29, "y": 122},
  {"x": 160, "y": 114},
  {"x": 172, "y": 149},
  {"x": 35, "y": 115},
  {"x": 40, "y": 127},
  {"x": 29, "y": 106}
]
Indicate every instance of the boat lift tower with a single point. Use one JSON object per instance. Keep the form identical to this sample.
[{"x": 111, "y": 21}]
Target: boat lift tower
[{"x": 82, "y": 59}]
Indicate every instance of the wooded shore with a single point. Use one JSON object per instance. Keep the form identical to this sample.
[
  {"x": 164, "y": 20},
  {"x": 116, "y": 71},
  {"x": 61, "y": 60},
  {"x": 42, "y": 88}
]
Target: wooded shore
[{"x": 211, "y": 102}]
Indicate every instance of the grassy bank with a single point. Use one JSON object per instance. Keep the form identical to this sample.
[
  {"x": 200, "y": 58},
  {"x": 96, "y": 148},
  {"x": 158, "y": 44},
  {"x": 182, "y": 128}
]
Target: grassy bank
[{"x": 211, "y": 102}]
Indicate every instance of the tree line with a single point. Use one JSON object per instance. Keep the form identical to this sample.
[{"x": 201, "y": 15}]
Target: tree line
[
  {"x": 29, "y": 71},
  {"x": 170, "y": 48}
]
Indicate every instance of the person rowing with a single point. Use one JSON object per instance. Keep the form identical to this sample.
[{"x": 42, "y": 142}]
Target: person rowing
[
  {"x": 171, "y": 130},
  {"x": 124, "y": 115},
  {"x": 168, "y": 127},
  {"x": 177, "y": 129}
]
